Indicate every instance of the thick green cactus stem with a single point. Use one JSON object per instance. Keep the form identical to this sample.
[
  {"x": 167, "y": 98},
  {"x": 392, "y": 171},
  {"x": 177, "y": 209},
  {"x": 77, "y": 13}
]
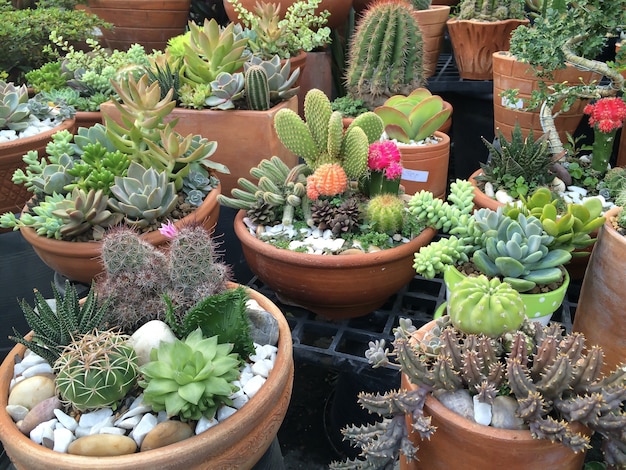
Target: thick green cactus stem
[
  {"x": 354, "y": 153},
  {"x": 257, "y": 88},
  {"x": 479, "y": 305},
  {"x": 385, "y": 213},
  {"x": 294, "y": 133},
  {"x": 317, "y": 113},
  {"x": 371, "y": 124},
  {"x": 386, "y": 54}
]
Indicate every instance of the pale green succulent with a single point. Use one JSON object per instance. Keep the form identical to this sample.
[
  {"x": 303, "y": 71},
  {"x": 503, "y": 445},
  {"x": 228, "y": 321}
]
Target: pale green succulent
[
  {"x": 190, "y": 378},
  {"x": 143, "y": 195},
  {"x": 225, "y": 90},
  {"x": 14, "y": 110}
]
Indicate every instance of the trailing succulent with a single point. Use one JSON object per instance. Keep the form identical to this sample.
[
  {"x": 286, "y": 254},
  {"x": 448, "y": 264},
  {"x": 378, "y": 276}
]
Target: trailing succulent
[{"x": 553, "y": 380}]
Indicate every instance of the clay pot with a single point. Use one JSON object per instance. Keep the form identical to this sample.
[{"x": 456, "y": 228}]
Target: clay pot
[
  {"x": 14, "y": 196},
  {"x": 600, "y": 311},
  {"x": 426, "y": 166},
  {"x": 243, "y": 137},
  {"x": 88, "y": 118},
  {"x": 432, "y": 23},
  {"x": 459, "y": 443},
  {"x": 339, "y": 10},
  {"x": 150, "y": 23},
  {"x": 336, "y": 287},
  {"x": 474, "y": 42},
  {"x": 79, "y": 261},
  {"x": 509, "y": 73},
  {"x": 236, "y": 443}
]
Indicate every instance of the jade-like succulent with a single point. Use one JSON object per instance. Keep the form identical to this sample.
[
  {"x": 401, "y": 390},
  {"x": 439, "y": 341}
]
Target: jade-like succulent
[
  {"x": 320, "y": 138},
  {"x": 96, "y": 370},
  {"x": 55, "y": 327},
  {"x": 274, "y": 197},
  {"x": 225, "y": 90},
  {"x": 385, "y": 56},
  {"x": 143, "y": 195},
  {"x": 479, "y": 305},
  {"x": 190, "y": 378},
  {"x": 552, "y": 378},
  {"x": 414, "y": 117}
]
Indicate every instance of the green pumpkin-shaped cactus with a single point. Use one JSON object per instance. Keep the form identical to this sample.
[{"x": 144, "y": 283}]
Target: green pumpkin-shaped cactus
[{"x": 479, "y": 305}]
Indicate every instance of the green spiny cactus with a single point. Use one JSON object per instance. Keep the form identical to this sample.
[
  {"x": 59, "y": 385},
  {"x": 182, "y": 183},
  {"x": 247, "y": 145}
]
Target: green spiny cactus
[
  {"x": 280, "y": 79},
  {"x": 385, "y": 213},
  {"x": 487, "y": 306},
  {"x": 385, "y": 54},
  {"x": 96, "y": 370},
  {"x": 54, "y": 328},
  {"x": 421, "y": 4},
  {"x": 491, "y": 10},
  {"x": 190, "y": 378},
  {"x": 257, "y": 88}
]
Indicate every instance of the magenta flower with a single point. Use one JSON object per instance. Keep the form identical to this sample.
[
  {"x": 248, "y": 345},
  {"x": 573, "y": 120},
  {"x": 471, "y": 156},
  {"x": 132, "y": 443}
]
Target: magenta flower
[
  {"x": 169, "y": 229},
  {"x": 393, "y": 171},
  {"x": 381, "y": 154},
  {"x": 606, "y": 114}
]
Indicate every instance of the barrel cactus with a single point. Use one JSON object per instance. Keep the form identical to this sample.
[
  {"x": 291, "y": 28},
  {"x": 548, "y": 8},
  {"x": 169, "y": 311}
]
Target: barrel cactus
[
  {"x": 96, "y": 370},
  {"x": 385, "y": 213},
  {"x": 479, "y": 305}
]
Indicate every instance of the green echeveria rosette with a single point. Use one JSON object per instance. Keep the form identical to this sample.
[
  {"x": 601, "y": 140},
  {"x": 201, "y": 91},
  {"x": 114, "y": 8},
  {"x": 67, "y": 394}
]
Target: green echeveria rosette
[{"x": 479, "y": 305}]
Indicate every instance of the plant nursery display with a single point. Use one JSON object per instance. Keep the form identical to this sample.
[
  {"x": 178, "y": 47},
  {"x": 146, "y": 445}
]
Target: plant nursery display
[
  {"x": 140, "y": 173},
  {"x": 338, "y": 212},
  {"x": 484, "y": 374},
  {"x": 165, "y": 363},
  {"x": 26, "y": 124}
]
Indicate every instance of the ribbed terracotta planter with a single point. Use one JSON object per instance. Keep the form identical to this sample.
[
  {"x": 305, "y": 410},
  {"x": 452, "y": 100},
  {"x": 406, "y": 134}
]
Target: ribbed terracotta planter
[
  {"x": 339, "y": 10},
  {"x": 426, "y": 166},
  {"x": 432, "y": 23},
  {"x": 474, "y": 42},
  {"x": 509, "y": 73},
  {"x": 236, "y": 443},
  {"x": 459, "y": 443},
  {"x": 79, "y": 261},
  {"x": 150, "y": 23},
  {"x": 243, "y": 137},
  {"x": 600, "y": 310},
  {"x": 336, "y": 287},
  {"x": 14, "y": 196}
]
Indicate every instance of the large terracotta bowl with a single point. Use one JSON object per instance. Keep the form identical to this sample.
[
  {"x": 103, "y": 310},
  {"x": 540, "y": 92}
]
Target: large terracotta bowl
[
  {"x": 79, "y": 261},
  {"x": 236, "y": 443},
  {"x": 460, "y": 443},
  {"x": 335, "y": 287}
]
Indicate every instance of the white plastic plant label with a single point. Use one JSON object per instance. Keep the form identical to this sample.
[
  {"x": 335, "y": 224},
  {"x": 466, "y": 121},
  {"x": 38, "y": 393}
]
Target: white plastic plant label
[
  {"x": 507, "y": 103},
  {"x": 417, "y": 176}
]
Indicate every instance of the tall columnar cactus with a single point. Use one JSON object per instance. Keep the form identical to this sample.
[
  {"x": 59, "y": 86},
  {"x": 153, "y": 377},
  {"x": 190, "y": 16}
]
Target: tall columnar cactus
[
  {"x": 386, "y": 53},
  {"x": 96, "y": 370},
  {"x": 257, "y": 88},
  {"x": 320, "y": 137}
]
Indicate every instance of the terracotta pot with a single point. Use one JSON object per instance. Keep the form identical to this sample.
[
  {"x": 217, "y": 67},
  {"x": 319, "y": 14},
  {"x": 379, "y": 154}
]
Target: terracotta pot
[
  {"x": 147, "y": 22},
  {"x": 509, "y": 73},
  {"x": 236, "y": 443},
  {"x": 244, "y": 138},
  {"x": 316, "y": 72},
  {"x": 426, "y": 166},
  {"x": 460, "y": 443},
  {"x": 474, "y": 42},
  {"x": 432, "y": 24},
  {"x": 88, "y": 118},
  {"x": 575, "y": 267},
  {"x": 600, "y": 310},
  {"x": 335, "y": 287},
  {"x": 79, "y": 261},
  {"x": 14, "y": 196},
  {"x": 339, "y": 10}
]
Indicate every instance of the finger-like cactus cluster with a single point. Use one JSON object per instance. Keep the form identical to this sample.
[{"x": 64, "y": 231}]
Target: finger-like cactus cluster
[{"x": 554, "y": 379}]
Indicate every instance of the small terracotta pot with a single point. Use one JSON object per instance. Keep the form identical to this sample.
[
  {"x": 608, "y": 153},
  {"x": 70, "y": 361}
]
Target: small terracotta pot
[
  {"x": 336, "y": 287},
  {"x": 432, "y": 23},
  {"x": 79, "y": 261},
  {"x": 426, "y": 166},
  {"x": 236, "y": 443},
  {"x": 600, "y": 310},
  {"x": 459, "y": 443},
  {"x": 14, "y": 196}
]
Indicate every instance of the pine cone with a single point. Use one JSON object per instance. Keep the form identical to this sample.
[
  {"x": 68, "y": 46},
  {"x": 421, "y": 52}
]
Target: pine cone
[
  {"x": 262, "y": 213},
  {"x": 323, "y": 213},
  {"x": 342, "y": 223}
]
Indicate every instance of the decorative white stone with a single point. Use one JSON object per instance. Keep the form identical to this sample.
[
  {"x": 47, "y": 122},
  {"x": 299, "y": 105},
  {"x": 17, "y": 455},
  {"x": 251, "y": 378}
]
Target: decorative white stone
[
  {"x": 261, "y": 368},
  {"x": 482, "y": 411},
  {"x": 62, "y": 439},
  {"x": 31, "y": 391},
  {"x": 224, "y": 412},
  {"x": 88, "y": 420},
  {"x": 557, "y": 185},
  {"x": 112, "y": 430},
  {"x": 37, "y": 369},
  {"x": 43, "y": 429},
  {"x": 241, "y": 400},
  {"x": 488, "y": 190},
  {"x": 128, "y": 423},
  {"x": 17, "y": 412},
  {"x": 148, "y": 337},
  {"x": 147, "y": 424},
  {"x": 503, "y": 197},
  {"x": 253, "y": 385},
  {"x": 66, "y": 420},
  {"x": 205, "y": 423}
]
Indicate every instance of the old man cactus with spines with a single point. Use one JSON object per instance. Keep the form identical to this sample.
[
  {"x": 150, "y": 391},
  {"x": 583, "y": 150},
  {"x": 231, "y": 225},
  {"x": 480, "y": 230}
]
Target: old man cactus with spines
[
  {"x": 320, "y": 138},
  {"x": 385, "y": 54}
]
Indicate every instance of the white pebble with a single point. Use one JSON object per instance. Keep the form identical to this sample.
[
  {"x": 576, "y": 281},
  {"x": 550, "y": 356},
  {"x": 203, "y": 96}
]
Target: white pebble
[
  {"x": 503, "y": 197},
  {"x": 224, "y": 412},
  {"x": 88, "y": 420},
  {"x": 253, "y": 385},
  {"x": 38, "y": 369},
  {"x": 262, "y": 368},
  {"x": 112, "y": 430},
  {"x": 577, "y": 189},
  {"x": 65, "y": 420},
  {"x": 482, "y": 412},
  {"x": 488, "y": 189},
  {"x": 38, "y": 433},
  {"x": 241, "y": 400},
  {"x": 147, "y": 424},
  {"x": 62, "y": 439},
  {"x": 17, "y": 412},
  {"x": 205, "y": 423},
  {"x": 128, "y": 423}
]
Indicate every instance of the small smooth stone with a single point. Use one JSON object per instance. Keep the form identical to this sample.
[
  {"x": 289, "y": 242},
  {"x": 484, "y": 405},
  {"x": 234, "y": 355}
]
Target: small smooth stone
[
  {"x": 29, "y": 360},
  {"x": 253, "y": 385},
  {"x": 42, "y": 411},
  {"x": 31, "y": 391},
  {"x": 205, "y": 423},
  {"x": 241, "y": 400},
  {"x": 458, "y": 401},
  {"x": 102, "y": 445},
  {"x": 38, "y": 369},
  {"x": 147, "y": 424},
  {"x": 88, "y": 420},
  {"x": 62, "y": 439},
  {"x": 503, "y": 197},
  {"x": 263, "y": 326},
  {"x": 165, "y": 433},
  {"x": 47, "y": 437},
  {"x": 488, "y": 189},
  {"x": 557, "y": 185},
  {"x": 482, "y": 411},
  {"x": 503, "y": 416},
  {"x": 111, "y": 430},
  {"x": 128, "y": 423},
  {"x": 262, "y": 368},
  {"x": 351, "y": 251},
  {"x": 66, "y": 420},
  {"x": 148, "y": 337},
  {"x": 225, "y": 412},
  {"x": 37, "y": 434},
  {"x": 17, "y": 412}
]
